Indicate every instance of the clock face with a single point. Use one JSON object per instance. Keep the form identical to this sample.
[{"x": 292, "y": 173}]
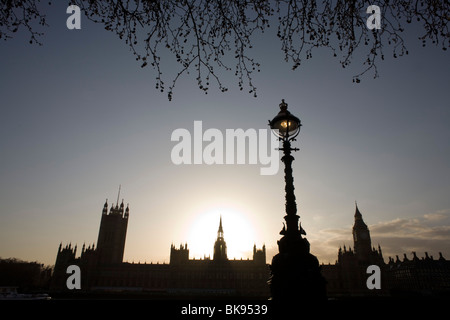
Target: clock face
[{"x": 364, "y": 235}]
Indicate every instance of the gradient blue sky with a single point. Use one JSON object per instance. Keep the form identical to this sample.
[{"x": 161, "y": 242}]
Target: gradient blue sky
[{"x": 79, "y": 117}]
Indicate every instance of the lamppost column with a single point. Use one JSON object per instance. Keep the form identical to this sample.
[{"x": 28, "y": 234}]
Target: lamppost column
[{"x": 291, "y": 217}]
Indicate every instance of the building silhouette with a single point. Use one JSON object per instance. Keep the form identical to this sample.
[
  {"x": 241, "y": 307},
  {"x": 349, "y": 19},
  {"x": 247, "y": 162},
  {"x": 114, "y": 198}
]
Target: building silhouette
[
  {"x": 112, "y": 234},
  {"x": 103, "y": 270},
  {"x": 348, "y": 276},
  {"x": 419, "y": 277}
]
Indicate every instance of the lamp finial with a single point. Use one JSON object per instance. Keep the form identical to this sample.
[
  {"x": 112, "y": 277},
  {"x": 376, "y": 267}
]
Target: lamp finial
[{"x": 283, "y": 105}]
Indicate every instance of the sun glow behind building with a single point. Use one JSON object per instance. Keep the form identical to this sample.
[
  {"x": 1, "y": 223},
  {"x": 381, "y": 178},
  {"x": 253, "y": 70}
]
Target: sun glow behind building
[{"x": 239, "y": 233}]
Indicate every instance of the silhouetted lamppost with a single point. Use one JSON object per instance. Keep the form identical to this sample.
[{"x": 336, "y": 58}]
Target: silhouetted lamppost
[{"x": 295, "y": 272}]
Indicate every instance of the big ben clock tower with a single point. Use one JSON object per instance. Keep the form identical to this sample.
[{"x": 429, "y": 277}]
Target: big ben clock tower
[{"x": 361, "y": 238}]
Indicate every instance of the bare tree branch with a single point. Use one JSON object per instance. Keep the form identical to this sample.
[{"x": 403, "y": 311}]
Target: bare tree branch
[
  {"x": 15, "y": 14},
  {"x": 210, "y": 36}
]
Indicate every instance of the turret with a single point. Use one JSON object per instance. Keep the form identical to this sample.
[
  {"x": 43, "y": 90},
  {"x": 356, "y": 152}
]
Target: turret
[
  {"x": 179, "y": 256},
  {"x": 105, "y": 207},
  {"x": 121, "y": 209},
  {"x": 127, "y": 212},
  {"x": 259, "y": 255}
]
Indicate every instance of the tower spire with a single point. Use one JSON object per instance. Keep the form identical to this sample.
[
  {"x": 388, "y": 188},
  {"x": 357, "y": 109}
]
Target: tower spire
[
  {"x": 358, "y": 214},
  {"x": 220, "y": 247},
  {"x": 220, "y": 231}
]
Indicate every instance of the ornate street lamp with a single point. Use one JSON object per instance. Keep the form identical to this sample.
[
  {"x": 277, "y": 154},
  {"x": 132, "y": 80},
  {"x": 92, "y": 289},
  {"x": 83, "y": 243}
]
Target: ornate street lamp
[{"x": 295, "y": 272}]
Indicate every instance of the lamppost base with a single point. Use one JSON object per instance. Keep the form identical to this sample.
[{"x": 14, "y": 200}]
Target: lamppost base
[{"x": 295, "y": 272}]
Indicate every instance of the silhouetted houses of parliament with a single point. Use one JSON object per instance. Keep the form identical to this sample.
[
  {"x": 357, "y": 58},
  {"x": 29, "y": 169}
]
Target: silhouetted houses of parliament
[
  {"x": 418, "y": 277},
  {"x": 102, "y": 268}
]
